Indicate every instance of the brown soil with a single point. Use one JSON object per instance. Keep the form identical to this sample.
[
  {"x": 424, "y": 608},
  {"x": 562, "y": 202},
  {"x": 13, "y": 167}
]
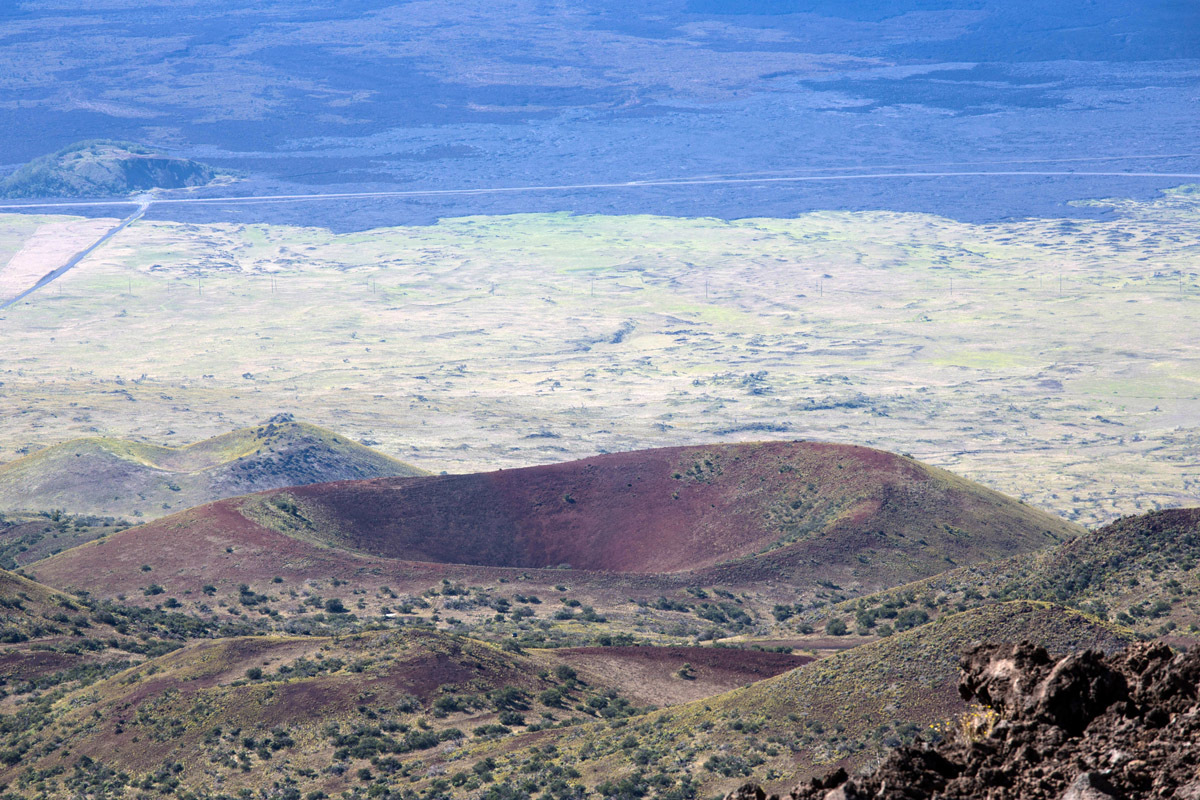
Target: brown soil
[{"x": 657, "y": 675}]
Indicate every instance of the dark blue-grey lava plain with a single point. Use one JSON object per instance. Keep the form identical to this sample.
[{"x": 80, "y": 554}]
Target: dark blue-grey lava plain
[{"x": 1085, "y": 98}]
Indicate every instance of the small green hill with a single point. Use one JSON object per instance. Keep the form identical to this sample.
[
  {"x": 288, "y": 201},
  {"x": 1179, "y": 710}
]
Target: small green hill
[
  {"x": 101, "y": 168},
  {"x": 1142, "y": 572},
  {"x": 113, "y": 477}
]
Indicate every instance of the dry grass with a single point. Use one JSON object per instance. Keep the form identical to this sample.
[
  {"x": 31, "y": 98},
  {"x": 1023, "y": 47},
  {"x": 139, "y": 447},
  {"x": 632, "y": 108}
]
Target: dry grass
[{"x": 490, "y": 342}]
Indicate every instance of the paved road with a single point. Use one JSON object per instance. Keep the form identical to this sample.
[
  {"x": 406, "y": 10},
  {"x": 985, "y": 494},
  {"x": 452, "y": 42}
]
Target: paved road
[
  {"x": 145, "y": 202},
  {"x": 570, "y": 187},
  {"x": 82, "y": 254}
]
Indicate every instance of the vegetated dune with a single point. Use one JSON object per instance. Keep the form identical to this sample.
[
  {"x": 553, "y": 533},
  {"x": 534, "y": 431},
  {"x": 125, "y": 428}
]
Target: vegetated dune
[
  {"x": 1142, "y": 572},
  {"x": 843, "y": 710},
  {"x": 129, "y": 479}
]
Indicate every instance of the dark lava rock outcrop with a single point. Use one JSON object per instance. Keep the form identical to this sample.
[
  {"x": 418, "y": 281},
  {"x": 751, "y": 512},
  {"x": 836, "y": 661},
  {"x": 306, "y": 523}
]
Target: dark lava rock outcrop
[{"x": 1083, "y": 727}]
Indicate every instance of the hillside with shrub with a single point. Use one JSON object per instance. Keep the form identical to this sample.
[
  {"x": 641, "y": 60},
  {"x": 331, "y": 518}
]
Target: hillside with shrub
[
  {"x": 135, "y": 480},
  {"x": 1140, "y": 572}
]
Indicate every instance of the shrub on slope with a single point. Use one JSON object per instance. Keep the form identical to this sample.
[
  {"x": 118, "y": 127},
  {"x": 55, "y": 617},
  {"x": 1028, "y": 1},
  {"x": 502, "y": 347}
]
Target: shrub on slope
[
  {"x": 131, "y": 479},
  {"x": 842, "y": 710},
  {"x": 1142, "y": 572}
]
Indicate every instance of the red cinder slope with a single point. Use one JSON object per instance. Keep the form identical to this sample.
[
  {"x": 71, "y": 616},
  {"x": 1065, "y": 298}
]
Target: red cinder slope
[
  {"x": 792, "y": 506},
  {"x": 666, "y": 510}
]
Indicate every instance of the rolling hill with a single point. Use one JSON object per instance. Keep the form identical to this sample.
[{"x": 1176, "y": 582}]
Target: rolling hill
[
  {"x": 843, "y": 710},
  {"x": 102, "y": 168},
  {"x": 1142, "y": 572},
  {"x": 26, "y": 537},
  {"x": 31, "y": 609},
  {"x": 52, "y": 640},
  {"x": 134, "y": 480},
  {"x": 244, "y": 699},
  {"x": 427, "y": 711},
  {"x": 685, "y": 509},
  {"x": 773, "y": 520},
  {"x": 316, "y": 712}
]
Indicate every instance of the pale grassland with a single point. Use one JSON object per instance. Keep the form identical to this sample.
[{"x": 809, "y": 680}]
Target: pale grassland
[{"x": 491, "y": 342}]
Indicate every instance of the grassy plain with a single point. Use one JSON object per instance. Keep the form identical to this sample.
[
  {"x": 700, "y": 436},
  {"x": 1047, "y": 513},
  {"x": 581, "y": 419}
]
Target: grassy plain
[{"x": 1046, "y": 358}]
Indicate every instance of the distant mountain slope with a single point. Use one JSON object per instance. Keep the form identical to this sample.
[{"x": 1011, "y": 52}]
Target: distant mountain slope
[
  {"x": 127, "y": 479},
  {"x": 103, "y": 168},
  {"x": 842, "y": 710},
  {"x": 786, "y": 514},
  {"x": 1142, "y": 572}
]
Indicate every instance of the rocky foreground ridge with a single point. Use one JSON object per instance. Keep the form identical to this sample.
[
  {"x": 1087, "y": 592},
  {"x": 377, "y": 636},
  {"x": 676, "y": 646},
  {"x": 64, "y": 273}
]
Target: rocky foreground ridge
[{"x": 1082, "y": 727}]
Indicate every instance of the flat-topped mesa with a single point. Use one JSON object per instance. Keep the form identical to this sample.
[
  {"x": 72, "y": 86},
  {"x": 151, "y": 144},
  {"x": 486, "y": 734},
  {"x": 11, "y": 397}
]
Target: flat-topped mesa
[{"x": 1082, "y": 727}]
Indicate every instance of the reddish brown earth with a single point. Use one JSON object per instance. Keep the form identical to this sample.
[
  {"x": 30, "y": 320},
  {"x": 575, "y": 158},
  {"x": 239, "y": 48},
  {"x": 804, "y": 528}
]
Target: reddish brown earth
[
  {"x": 19, "y": 664},
  {"x": 732, "y": 514},
  {"x": 650, "y": 511},
  {"x": 652, "y": 675},
  {"x": 204, "y": 685}
]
